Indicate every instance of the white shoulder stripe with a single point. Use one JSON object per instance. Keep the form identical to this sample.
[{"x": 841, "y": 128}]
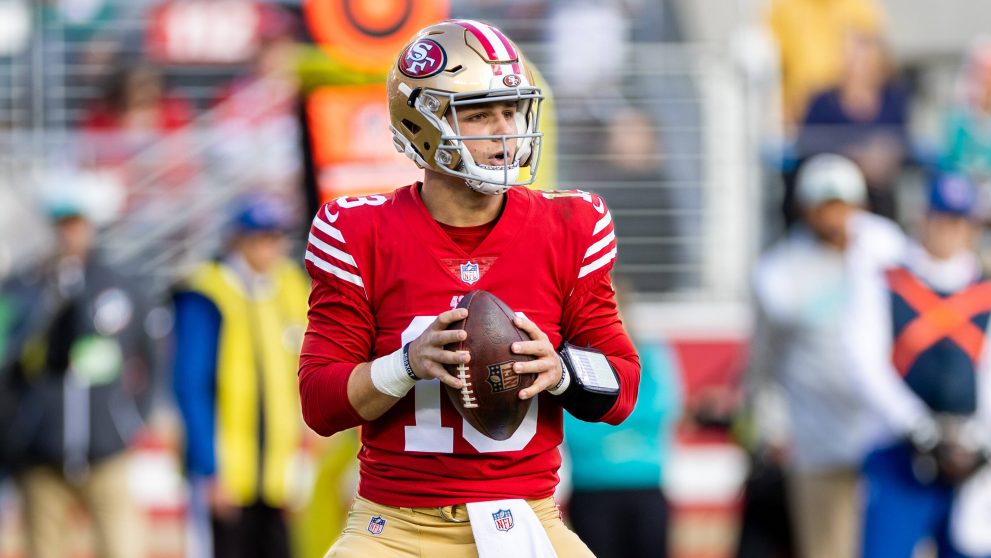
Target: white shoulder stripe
[
  {"x": 600, "y": 244},
  {"x": 330, "y": 231},
  {"x": 331, "y": 251},
  {"x": 602, "y": 223},
  {"x": 597, "y": 264},
  {"x": 334, "y": 270}
]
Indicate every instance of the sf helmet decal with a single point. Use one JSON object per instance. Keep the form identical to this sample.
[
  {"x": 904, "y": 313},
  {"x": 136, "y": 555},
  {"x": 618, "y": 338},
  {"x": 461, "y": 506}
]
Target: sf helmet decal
[
  {"x": 422, "y": 59},
  {"x": 512, "y": 80}
]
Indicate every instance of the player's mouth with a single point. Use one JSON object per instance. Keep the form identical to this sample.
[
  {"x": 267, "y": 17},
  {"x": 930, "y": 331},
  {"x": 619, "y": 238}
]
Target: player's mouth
[{"x": 498, "y": 159}]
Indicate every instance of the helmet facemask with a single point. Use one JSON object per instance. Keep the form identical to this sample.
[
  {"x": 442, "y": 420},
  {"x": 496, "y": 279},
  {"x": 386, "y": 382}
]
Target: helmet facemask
[{"x": 452, "y": 155}]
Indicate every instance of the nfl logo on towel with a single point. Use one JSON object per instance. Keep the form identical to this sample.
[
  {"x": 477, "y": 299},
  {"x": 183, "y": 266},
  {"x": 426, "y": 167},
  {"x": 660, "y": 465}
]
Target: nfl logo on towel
[
  {"x": 376, "y": 525},
  {"x": 469, "y": 272},
  {"x": 503, "y": 520}
]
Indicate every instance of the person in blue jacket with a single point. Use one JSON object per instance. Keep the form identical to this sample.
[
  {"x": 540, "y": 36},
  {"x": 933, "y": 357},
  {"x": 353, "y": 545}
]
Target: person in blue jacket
[{"x": 239, "y": 324}]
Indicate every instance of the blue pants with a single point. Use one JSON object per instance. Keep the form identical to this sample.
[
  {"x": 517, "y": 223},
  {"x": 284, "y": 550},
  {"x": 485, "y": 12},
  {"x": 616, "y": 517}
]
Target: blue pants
[{"x": 901, "y": 511}]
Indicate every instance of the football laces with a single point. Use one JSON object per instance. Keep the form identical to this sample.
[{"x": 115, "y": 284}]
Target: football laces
[{"x": 467, "y": 393}]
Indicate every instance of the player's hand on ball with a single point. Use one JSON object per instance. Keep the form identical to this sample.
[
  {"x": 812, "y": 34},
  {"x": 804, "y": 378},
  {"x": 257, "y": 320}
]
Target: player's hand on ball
[
  {"x": 427, "y": 356},
  {"x": 546, "y": 365}
]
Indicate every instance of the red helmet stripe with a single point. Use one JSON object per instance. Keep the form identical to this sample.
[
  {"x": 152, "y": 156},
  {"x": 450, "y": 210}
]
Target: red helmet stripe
[
  {"x": 505, "y": 42},
  {"x": 486, "y": 44},
  {"x": 483, "y": 36}
]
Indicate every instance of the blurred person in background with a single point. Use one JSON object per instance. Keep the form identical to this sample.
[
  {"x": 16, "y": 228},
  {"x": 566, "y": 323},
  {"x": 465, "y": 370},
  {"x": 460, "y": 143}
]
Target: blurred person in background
[
  {"x": 80, "y": 367},
  {"x": 625, "y": 157},
  {"x": 124, "y": 128},
  {"x": 920, "y": 334},
  {"x": 239, "y": 326},
  {"x": 967, "y": 147},
  {"x": 803, "y": 288},
  {"x": 864, "y": 118},
  {"x": 135, "y": 103},
  {"x": 617, "y": 506},
  {"x": 810, "y": 35}
]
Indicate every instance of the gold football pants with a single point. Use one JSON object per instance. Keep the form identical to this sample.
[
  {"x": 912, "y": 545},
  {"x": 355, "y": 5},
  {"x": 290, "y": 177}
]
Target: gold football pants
[{"x": 416, "y": 532}]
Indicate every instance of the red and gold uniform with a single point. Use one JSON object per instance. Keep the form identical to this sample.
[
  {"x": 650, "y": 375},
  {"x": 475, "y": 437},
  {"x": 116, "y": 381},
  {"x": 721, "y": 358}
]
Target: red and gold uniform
[{"x": 383, "y": 269}]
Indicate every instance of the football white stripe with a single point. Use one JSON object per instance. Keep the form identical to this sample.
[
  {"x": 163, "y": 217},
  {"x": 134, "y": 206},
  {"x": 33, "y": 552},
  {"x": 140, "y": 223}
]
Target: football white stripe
[
  {"x": 331, "y": 251},
  {"x": 600, "y": 244},
  {"x": 602, "y": 223},
  {"x": 334, "y": 270},
  {"x": 497, "y": 46},
  {"x": 330, "y": 231},
  {"x": 597, "y": 264}
]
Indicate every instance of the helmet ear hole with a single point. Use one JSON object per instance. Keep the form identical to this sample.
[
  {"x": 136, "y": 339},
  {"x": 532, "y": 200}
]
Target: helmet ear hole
[
  {"x": 411, "y": 126},
  {"x": 426, "y": 146}
]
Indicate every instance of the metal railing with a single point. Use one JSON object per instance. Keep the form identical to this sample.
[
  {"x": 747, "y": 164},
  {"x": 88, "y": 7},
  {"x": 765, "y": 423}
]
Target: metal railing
[{"x": 686, "y": 208}]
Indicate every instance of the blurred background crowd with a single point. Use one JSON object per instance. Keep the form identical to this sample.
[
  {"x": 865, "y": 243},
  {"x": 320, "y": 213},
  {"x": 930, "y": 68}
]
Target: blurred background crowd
[{"x": 801, "y": 191}]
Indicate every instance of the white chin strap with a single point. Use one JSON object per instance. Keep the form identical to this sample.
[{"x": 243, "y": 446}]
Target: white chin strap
[{"x": 491, "y": 180}]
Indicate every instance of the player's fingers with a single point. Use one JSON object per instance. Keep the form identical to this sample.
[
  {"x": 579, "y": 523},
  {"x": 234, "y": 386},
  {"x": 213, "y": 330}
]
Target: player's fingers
[
  {"x": 540, "y": 383},
  {"x": 529, "y": 327},
  {"x": 447, "y": 318},
  {"x": 446, "y": 337},
  {"x": 435, "y": 370},
  {"x": 536, "y": 348},
  {"x": 448, "y": 357},
  {"x": 432, "y": 369},
  {"x": 422, "y": 354},
  {"x": 534, "y": 366}
]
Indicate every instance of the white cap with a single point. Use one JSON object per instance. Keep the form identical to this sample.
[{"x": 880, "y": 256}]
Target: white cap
[
  {"x": 97, "y": 195},
  {"x": 829, "y": 177}
]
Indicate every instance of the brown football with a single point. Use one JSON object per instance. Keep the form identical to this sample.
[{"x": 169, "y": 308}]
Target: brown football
[{"x": 490, "y": 398}]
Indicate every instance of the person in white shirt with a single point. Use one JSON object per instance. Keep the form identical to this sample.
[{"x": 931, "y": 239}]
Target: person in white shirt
[
  {"x": 803, "y": 288},
  {"x": 920, "y": 347}
]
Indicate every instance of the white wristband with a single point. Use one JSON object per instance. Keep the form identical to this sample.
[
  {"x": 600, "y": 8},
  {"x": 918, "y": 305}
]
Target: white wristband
[
  {"x": 389, "y": 375},
  {"x": 562, "y": 385}
]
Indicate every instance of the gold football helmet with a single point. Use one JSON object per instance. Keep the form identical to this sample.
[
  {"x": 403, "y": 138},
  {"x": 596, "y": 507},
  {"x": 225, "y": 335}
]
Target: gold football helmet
[{"x": 453, "y": 64}]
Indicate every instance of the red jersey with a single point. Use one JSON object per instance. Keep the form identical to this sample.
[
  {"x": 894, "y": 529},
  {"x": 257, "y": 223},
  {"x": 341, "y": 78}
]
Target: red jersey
[{"x": 383, "y": 269}]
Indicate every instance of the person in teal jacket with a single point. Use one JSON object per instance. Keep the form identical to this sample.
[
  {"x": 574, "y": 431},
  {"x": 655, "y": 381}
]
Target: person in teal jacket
[{"x": 617, "y": 506}]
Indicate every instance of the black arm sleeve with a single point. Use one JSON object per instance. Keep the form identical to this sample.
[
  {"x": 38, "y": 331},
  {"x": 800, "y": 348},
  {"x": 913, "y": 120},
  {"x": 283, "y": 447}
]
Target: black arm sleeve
[{"x": 586, "y": 405}]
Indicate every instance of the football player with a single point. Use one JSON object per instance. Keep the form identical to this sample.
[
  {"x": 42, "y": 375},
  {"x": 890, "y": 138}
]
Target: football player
[{"x": 388, "y": 272}]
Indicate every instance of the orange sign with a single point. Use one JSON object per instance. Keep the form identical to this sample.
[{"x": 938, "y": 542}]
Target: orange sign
[
  {"x": 366, "y": 35},
  {"x": 352, "y": 144}
]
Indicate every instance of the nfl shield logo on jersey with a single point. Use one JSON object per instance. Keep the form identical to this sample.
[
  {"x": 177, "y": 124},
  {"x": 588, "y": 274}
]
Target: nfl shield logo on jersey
[
  {"x": 469, "y": 272},
  {"x": 503, "y": 520},
  {"x": 376, "y": 525}
]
